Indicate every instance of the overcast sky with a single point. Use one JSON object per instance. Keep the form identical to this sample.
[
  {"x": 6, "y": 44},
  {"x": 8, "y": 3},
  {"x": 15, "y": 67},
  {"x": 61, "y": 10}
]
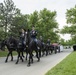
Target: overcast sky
[{"x": 29, "y": 6}]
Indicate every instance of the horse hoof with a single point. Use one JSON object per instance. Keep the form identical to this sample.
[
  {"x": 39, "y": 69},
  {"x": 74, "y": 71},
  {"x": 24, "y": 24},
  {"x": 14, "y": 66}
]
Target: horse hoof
[
  {"x": 5, "y": 61},
  {"x": 23, "y": 56},
  {"x": 16, "y": 63},
  {"x": 22, "y": 60},
  {"x": 38, "y": 60},
  {"x": 32, "y": 62},
  {"x": 12, "y": 60},
  {"x": 28, "y": 65}
]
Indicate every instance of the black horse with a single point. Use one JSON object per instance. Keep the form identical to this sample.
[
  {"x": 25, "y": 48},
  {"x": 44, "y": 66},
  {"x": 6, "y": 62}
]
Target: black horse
[
  {"x": 13, "y": 44},
  {"x": 49, "y": 49},
  {"x": 74, "y": 47},
  {"x": 20, "y": 49},
  {"x": 44, "y": 49},
  {"x": 56, "y": 47},
  {"x": 32, "y": 46}
]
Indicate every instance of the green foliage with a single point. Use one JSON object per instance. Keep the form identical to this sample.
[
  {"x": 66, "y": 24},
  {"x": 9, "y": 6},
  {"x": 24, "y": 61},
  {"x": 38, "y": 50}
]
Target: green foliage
[
  {"x": 4, "y": 53},
  {"x": 66, "y": 43},
  {"x": 73, "y": 39},
  {"x": 62, "y": 41},
  {"x": 45, "y": 23},
  {"x": 65, "y": 67},
  {"x": 71, "y": 19},
  {"x": 1, "y": 34},
  {"x": 19, "y": 22},
  {"x": 33, "y": 19},
  {"x": 7, "y": 13},
  {"x": 12, "y": 21},
  {"x": 65, "y": 29},
  {"x": 71, "y": 15}
]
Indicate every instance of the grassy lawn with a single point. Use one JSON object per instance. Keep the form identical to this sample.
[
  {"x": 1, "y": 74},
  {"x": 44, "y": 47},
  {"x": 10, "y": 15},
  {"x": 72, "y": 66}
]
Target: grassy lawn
[
  {"x": 65, "y": 67},
  {"x": 4, "y": 53}
]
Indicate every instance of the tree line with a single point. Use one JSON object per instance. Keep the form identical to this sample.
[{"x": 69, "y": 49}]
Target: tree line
[
  {"x": 70, "y": 28},
  {"x": 12, "y": 20}
]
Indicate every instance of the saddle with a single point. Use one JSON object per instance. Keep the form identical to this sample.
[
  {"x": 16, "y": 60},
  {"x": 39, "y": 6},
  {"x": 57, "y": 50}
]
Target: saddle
[
  {"x": 12, "y": 45},
  {"x": 19, "y": 45}
]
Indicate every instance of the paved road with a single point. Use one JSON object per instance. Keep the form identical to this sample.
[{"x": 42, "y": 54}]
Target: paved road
[{"x": 37, "y": 68}]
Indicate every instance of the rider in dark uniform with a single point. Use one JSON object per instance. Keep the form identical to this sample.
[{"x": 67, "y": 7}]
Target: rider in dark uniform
[
  {"x": 33, "y": 34},
  {"x": 48, "y": 46},
  {"x": 42, "y": 42},
  {"x": 22, "y": 37},
  {"x": 48, "y": 42},
  {"x": 41, "y": 39}
]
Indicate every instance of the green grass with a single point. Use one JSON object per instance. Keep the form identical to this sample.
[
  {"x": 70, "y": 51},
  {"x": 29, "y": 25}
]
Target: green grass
[
  {"x": 65, "y": 67},
  {"x": 4, "y": 53}
]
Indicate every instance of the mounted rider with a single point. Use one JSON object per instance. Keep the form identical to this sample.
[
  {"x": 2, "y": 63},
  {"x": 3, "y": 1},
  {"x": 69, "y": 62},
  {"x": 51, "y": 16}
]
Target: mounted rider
[
  {"x": 48, "y": 42},
  {"x": 41, "y": 39},
  {"x": 33, "y": 34},
  {"x": 22, "y": 37}
]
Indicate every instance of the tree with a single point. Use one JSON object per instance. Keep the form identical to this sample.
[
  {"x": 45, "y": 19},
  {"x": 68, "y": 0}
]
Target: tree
[
  {"x": 45, "y": 23},
  {"x": 7, "y": 13},
  {"x": 71, "y": 20},
  {"x": 12, "y": 21},
  {"x": 18, "y": 23},
  {"x": 48, "y": 24},
  {"x": 33, "y": 19},
  {"x": 1, "y": 34}
]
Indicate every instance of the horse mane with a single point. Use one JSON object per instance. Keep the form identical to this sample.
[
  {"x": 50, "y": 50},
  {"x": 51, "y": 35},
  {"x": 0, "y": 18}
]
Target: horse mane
[{"x": 28, "y": 36}]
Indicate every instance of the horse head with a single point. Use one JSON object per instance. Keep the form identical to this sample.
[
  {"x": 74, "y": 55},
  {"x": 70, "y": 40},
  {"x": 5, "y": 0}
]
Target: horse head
[
  {"x": 2, "y": 45},
  {"x": 27, "y": 37}
]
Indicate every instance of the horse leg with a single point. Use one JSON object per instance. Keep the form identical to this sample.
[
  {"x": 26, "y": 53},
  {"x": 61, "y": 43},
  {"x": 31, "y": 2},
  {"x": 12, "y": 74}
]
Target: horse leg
[
  {"x": 40, "y": 53},
  {"x": 29, "y": 60},
  {"x": 26, "y": 55},
  {"x": 55, "y": 50},
  {"x": 37, "y": 55},
  {"x": 46, "y": 52},
  {"x": 59, "y": 49},
  {"x": 21, "y": 57},
  {"x": 11, "y": 57},
  {"x": 7, "y": 56},
  {"x": 18, "y": 58},
  {"x": 51, "y": 51},
  {"x": 23, "y": 54}
]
